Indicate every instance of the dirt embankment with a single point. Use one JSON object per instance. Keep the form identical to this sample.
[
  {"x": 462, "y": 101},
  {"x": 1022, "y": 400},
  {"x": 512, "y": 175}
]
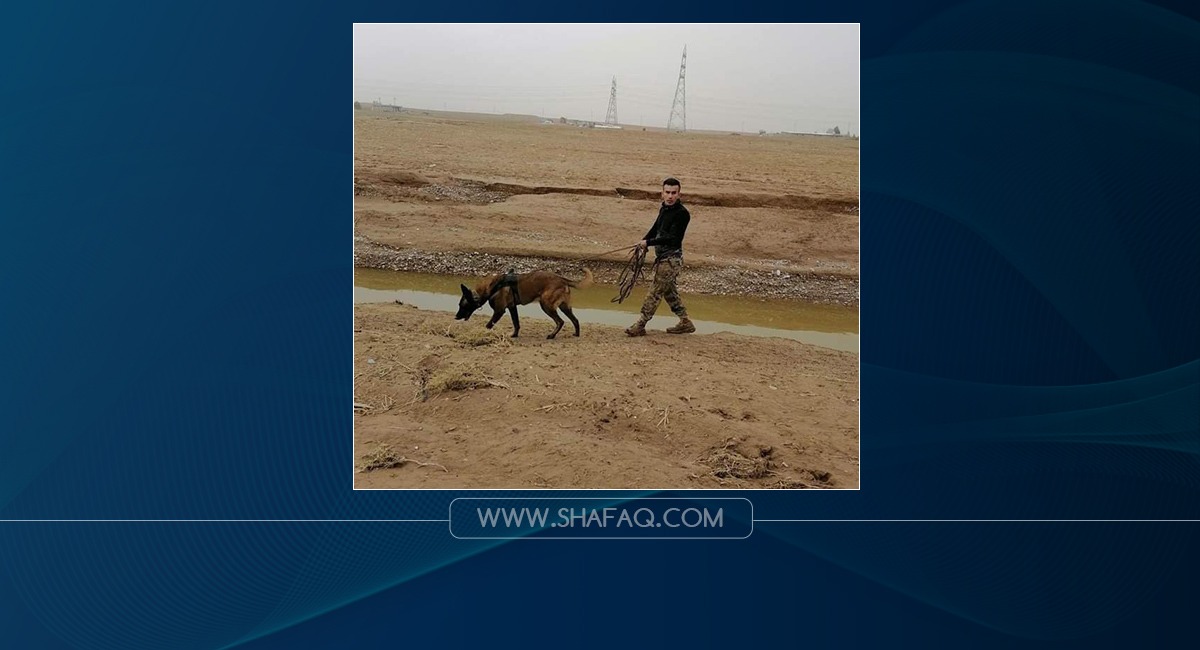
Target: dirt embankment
[
  {"x": 447, "y": 404},
  {"x": 399, "y": 185},
  {"x": 772, "y": 217}
]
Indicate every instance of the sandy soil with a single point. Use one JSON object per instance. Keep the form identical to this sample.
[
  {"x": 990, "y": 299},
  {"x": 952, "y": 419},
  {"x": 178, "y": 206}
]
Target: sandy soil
[
  {"x": 445, "y": 404},
  {"x": 481, "y": 410}
]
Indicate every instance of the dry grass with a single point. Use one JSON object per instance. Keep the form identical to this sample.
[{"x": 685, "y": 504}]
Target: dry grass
[
  {"x": 736, "y": 460},
  {"x": 436, "y": 378},
  {"x": 466, "y": 335},
  {"x": 477, "y": 337},
  {"x": 730, "y": 461},
  {"x": 385, "y": 458},
  {"x": 444, "y": 381}
]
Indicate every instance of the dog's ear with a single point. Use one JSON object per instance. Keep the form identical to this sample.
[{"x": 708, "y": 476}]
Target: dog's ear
[{"x": 466, "y": 293}]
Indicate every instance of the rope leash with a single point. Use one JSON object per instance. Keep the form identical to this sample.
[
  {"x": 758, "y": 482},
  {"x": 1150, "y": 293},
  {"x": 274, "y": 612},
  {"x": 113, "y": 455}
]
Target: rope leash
[{"x": 615, "y": 250}]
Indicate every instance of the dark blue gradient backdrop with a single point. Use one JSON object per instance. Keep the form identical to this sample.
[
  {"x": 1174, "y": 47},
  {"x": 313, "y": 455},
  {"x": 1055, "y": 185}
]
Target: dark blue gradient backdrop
[{"x": 175, "y": 282}]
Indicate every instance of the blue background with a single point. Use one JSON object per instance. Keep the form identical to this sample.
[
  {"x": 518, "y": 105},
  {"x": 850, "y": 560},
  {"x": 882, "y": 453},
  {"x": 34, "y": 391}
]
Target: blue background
[{"x": 175, "y": 275}]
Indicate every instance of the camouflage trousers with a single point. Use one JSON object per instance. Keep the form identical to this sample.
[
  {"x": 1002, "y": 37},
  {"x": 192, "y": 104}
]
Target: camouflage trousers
[{"x": 666, "y": 270}]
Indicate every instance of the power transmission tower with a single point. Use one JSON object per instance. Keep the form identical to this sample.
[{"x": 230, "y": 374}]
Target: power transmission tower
[
  {"x": 611, "y": 118},
  {"x": 678, "y": 119}
]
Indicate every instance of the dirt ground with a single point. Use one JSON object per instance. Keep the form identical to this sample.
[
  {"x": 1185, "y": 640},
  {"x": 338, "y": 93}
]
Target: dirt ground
[{"x": 446, "y": 404}]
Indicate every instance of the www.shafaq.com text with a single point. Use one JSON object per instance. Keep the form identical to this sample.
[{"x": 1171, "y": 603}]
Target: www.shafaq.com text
[{"x": 600, "y": 518}]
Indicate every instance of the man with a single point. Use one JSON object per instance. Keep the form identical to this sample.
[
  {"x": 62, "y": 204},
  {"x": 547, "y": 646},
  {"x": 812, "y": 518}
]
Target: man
[{"x": 666, "y": 236}]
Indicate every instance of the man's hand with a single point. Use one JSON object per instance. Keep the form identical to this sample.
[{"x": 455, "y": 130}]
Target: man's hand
[{"x": 642, "y": 245}]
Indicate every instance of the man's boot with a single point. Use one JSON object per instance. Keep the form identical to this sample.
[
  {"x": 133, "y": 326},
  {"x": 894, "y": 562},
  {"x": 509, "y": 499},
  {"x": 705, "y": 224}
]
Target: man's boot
[
  {"x": 637, "y": 329},
  {"x": 684, "y": 326}
]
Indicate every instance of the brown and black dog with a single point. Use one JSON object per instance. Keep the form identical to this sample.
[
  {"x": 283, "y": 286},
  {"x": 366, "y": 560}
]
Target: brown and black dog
[{"x": 551, "y": 290}]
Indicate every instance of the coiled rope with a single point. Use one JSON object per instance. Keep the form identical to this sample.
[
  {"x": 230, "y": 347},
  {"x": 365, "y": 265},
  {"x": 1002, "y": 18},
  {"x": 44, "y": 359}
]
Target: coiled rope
[{"x": 630, "y": 274}]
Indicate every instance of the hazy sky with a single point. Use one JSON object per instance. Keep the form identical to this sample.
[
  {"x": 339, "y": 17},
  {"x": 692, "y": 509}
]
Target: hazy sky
[{"x": 739, "y": 77}]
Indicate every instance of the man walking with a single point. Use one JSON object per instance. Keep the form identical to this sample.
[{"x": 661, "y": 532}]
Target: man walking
[{"x": 666, "y": 236}]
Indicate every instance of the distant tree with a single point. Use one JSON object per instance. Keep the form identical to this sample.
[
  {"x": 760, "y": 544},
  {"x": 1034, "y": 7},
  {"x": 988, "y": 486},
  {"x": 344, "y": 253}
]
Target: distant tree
[
  {"x": 762, "y": 131},
  {"x": 837, "y": 131},
  {"x": 357, "y": 106}
]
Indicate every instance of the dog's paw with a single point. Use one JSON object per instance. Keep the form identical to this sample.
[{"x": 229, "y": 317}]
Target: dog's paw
[
  {"x": 490, "y": 325},
  {"x": 550, "y": 336}
]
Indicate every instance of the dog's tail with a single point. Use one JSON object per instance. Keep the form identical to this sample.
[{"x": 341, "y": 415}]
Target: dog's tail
[{"x": 586, "y": 282}]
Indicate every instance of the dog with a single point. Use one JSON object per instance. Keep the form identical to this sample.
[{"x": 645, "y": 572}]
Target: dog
[{"x": 551, "y": 290}]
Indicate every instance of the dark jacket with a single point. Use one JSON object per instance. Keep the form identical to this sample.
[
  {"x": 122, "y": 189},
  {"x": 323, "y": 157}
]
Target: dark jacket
[{"x": 666, "y": 235}]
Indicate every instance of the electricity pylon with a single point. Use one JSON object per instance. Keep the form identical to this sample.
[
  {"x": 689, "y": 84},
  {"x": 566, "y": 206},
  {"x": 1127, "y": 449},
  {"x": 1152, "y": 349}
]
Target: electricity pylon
[
  {"x": 611, "y": 118},
  {"x": 678, "y": 119}
]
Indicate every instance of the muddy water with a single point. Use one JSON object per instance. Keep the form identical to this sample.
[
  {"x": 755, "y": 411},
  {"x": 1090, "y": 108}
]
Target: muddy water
[{"x": 824, "y": 325}]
